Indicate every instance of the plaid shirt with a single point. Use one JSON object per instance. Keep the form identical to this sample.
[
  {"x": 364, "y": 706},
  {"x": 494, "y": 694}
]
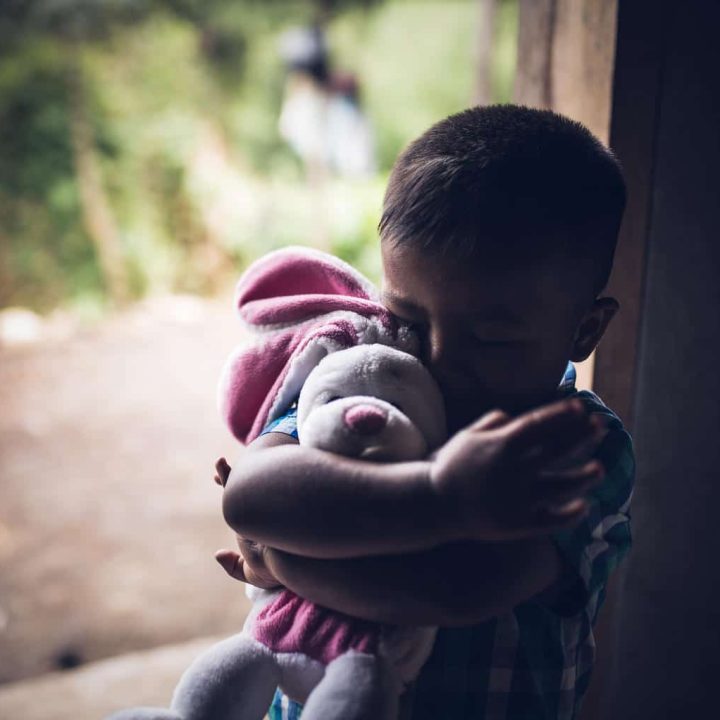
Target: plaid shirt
[{"x": 535, "y": 661}]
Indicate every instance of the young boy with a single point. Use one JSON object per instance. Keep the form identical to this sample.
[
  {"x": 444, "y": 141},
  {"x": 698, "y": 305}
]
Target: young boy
[{"x": 498, "y": 232}]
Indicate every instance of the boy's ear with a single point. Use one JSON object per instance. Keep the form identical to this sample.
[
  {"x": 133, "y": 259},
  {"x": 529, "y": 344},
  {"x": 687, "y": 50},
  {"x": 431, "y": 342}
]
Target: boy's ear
[{"x": 592, "y": 327}]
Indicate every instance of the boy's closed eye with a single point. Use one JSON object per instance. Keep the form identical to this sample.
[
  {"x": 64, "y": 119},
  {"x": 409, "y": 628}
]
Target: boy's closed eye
[
  {"x": 478, "y": 342},
  {"x": 494, "y": 333},
  {"x": 412, "y": 316},
  {"x": 414, "y": 321},
  {"x": 403, "y": 309}
]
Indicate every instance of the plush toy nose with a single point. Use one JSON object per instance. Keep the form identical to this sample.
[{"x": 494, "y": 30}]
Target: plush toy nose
[{"x": 365, "y": 419}]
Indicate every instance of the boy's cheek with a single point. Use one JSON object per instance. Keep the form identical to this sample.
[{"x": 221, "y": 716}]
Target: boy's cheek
[
  {"x": 514, "y": 393},
  {"x": 498, "y": 374}
]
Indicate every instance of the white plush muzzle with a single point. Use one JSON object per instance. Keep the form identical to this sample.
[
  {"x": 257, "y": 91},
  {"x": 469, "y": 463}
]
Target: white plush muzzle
[
  {"x": 363, "y": 427},
  {"x": 372, "y": 402}
]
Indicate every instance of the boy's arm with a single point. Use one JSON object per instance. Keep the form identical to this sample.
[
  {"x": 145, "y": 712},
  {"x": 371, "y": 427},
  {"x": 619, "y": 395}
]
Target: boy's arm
[
  {"x": 489, "y": 484},
  {"x": 317, "y": 504},
  {"x": 467, "y": 582},
  {"x": 456, "y": 584}
]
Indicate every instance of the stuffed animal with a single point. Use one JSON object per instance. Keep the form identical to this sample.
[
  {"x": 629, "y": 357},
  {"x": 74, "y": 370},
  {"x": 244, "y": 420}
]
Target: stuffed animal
[{"x": 369, "y": 401}]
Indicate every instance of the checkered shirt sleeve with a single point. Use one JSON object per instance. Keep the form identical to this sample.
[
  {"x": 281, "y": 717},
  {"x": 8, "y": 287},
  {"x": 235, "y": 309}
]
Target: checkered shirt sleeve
[
  {"x": 594, "y": 548},
  {"x": 286, "y": 424}
]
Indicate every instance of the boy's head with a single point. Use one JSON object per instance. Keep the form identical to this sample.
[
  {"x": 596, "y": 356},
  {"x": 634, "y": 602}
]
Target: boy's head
[{"x": 498, "y": 232}]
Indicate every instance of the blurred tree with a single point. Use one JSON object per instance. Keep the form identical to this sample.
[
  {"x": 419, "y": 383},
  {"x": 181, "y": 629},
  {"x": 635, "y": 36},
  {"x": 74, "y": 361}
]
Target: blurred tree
[{"x": 73, "y": 23}]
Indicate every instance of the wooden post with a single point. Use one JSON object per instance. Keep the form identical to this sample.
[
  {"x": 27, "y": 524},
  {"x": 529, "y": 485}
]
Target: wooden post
[
  {"x": 484, "y": 43},
  {"x": 582, "y": 57},
  {"x": 536, "y": 25},
  {"x": 565, "y": 63}
]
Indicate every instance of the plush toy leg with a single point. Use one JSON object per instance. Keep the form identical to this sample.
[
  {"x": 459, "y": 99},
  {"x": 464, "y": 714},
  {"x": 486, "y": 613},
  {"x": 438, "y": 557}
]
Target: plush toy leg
[
  {"x": 356, "y": 686},
  {"x": 233, "y": 680},
  {"x": 299, "y": 675}
]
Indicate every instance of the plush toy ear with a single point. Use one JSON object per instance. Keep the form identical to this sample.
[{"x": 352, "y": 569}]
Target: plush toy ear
[
  {"x": 296, "y": 284},
  {"x": 260, "y": 380},
  {"x": 299, "y": 304}
]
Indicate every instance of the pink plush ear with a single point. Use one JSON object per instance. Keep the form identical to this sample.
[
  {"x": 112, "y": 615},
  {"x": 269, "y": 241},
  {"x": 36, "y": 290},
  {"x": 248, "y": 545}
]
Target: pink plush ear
[
  {"x": 261, "y": 380},
  {"x": 293, "y": 285},
  {"x": 299, "y": 304}
]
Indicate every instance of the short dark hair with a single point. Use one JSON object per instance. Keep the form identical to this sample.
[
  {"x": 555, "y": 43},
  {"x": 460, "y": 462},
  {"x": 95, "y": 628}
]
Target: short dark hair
[{"x": 505, "y": 178}]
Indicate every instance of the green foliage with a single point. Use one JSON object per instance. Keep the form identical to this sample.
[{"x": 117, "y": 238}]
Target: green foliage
[
  {"x": 40, "y": 232},
  {"x": 184, "y": 97},
  {"x": 44, "y": 253},
  {"x": 34, "y": 125},
  {"x": 70, "y": 21}
]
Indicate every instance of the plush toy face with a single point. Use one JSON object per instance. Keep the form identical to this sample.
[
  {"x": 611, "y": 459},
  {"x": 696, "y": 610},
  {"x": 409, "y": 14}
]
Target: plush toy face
[{"x": 371, "y": 402}]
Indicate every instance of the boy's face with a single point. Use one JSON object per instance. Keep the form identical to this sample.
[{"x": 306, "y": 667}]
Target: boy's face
[{"x": 491, "y": 338}]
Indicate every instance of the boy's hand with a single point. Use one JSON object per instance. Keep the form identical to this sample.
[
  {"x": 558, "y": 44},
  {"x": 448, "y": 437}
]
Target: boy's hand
[
  {"x": 503, "y": 479},
  {"x": 248, "y": 565},
  {"x": 222, "y": 472}
]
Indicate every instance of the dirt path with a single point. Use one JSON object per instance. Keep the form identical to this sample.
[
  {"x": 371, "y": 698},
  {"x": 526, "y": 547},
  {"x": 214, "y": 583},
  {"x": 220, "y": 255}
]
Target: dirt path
[{"x": 108, "y": 514}]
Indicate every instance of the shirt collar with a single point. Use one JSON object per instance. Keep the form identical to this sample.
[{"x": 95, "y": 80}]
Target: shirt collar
[{"x": 567, "y": 384}]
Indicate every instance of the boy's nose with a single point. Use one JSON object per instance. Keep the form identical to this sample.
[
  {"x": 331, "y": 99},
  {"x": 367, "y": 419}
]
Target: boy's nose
[
  {"x": 365, "y": 419},
  {"x": 439, "y": 346}
]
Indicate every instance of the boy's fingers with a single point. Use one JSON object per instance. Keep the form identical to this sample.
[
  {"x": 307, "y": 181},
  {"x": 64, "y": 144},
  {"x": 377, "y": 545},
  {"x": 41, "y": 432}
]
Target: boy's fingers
[
  {"x": 545, "y": 424},
  {"x": 564, "y": 443},
  {"x": 491, "y": 421},
  {"x": 590, "y": 470},
  {"x": 550, "y": 518},
  {"x": 585, "y": 448},
  {"x": 232, "y": 564},
  {"x": 560, "y": 488},
  {"x": 554, "y": 519},
  {"x": 222, "y": 471}
]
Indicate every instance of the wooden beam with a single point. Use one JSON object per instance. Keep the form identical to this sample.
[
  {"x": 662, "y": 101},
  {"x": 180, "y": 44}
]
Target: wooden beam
[
  {"x": 536, "y": 24},
  {"x": 484, "y": 44},
  {"x": 566, "y": 51},
  {"x": 636, "y": 93}
]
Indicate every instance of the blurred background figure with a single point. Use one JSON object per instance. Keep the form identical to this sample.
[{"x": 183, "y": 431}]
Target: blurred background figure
[
  {"x": 321, "y": 116},
  {"x": 322, "y": 121},
  {"x": 350, "y": 135},
  {"x": 303, "y": 117}
]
